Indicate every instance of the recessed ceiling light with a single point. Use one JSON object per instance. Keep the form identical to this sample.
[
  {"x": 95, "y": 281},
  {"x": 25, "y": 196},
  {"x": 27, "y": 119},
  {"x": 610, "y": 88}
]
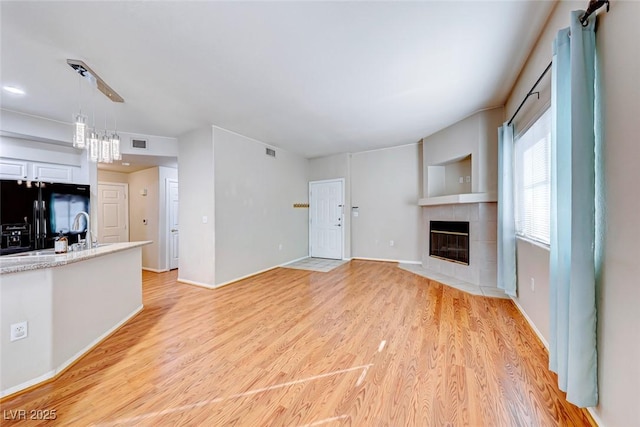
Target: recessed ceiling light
[
  {"x": 14, "y": 90},
  {"x": 126, "y": 164}
]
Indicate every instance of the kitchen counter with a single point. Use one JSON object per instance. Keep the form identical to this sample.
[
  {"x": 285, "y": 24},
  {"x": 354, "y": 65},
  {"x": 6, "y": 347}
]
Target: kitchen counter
[
  {"x": 70, "y": 302},
  {"x": 41, "y": 259}
]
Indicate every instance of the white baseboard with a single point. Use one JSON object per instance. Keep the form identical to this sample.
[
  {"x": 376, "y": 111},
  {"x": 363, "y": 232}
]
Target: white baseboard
[
  {"x": 531, "y": 324},
  {"x": 27, "y": 384},
  {"x": 247, "y": 276},
  {"x": 97, "y": 341},
  {"x": 546, "y": 345},
  {"x": 72, "y": 359},
  {"x": 595, "y": 417},
  {"x": 260, "y": 272},
  {"x": 154, "y": 270},
  {"x": 194, "y": 283},
  {"x": 400, "y": 261}
]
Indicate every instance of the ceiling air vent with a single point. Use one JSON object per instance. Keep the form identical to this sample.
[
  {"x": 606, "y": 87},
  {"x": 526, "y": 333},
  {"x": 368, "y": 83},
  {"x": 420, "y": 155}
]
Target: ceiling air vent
[
  {"x": 271, "y": 152},
  {"x": 139, "y": 143}
]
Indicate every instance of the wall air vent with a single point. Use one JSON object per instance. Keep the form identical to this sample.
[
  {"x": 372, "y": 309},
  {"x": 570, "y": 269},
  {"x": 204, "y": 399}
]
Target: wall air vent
[
  {"x": 271, "y": 152},
  {"x": 139, "y": 143}
]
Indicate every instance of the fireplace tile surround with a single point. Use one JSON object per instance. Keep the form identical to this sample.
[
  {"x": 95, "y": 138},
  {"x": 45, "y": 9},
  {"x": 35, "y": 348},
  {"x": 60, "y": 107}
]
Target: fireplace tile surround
[{"x": 479, "y": 277}]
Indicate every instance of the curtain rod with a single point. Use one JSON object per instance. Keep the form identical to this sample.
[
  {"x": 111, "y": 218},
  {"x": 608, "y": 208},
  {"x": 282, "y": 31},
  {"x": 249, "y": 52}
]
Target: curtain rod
[
  {"x": 584, "y": 20},
  {"x": 531, "y": 92},
  {"x": 591, "y": 8}
]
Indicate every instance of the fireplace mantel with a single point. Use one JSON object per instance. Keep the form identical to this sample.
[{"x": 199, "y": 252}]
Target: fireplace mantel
[{"x": 455, "y": 199}]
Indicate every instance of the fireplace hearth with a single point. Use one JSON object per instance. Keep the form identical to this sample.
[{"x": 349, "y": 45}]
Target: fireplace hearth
[{"x": 449, "y": 240}]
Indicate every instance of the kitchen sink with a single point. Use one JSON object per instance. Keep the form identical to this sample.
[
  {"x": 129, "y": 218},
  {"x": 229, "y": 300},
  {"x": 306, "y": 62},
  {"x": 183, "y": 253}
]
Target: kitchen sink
[{"x": 43, "y": 252}]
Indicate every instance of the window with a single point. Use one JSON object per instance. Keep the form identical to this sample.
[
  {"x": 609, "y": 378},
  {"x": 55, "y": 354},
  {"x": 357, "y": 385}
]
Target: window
[{"x": 532, "y": 176}]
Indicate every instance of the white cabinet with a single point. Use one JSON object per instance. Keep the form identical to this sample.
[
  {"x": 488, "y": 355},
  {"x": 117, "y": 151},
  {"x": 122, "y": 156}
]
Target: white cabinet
[
  {"x": 32, "y": 171},
  {"x": 13, "y": 169},
  {"x": 52, "y": 172}
]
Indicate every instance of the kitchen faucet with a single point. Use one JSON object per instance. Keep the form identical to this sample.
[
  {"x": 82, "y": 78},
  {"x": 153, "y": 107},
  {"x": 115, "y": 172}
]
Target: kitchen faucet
[{"x": 88, "y": 242}]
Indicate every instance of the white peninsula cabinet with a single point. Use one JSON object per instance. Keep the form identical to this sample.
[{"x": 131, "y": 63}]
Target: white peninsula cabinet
[{"x": 70, "y": 302}]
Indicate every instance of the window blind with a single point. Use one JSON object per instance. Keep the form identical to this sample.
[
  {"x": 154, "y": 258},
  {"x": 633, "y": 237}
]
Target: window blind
[{"x": 532, "y": 180}]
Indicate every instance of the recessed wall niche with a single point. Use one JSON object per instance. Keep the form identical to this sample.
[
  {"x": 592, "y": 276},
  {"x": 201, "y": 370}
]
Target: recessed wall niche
[{"x": 449, "y": 178}]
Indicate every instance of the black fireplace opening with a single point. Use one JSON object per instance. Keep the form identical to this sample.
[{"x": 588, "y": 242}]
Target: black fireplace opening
[{"x": 449, "y": 240}]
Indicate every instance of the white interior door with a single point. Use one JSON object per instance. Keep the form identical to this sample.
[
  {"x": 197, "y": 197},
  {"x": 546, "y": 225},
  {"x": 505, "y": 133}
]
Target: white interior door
[
  {"x": 326, "y": 219},
  {"x": 113, "y": 212},
  {"x": 172, "y": 195}
]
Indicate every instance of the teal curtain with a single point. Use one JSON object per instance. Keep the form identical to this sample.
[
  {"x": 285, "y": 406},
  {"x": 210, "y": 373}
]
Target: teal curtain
[
  {"x": 506, "y": 212},
  {"x": 572, "y": 347}
]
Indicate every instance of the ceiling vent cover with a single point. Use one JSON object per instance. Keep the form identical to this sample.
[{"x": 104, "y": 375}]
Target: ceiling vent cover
[
  {"x": 139, "y": 143},
  {"x": 271, "y": 152}
]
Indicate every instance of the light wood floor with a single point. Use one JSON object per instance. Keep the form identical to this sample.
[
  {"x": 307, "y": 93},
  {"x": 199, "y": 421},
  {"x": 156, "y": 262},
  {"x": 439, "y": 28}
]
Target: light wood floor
[{"x": 367, "y": 344}]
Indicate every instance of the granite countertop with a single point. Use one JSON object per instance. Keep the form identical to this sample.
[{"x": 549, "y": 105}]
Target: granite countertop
[{"x": 32, "y": 261}]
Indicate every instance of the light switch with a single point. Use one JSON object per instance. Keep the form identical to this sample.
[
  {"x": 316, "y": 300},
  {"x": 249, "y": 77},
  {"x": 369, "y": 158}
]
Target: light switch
[{"x": 205, "y": 219}]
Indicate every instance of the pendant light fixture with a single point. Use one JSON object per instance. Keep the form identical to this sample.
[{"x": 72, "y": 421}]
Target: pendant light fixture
[
  {"x": 105, "y": 144},
  {"x": 103, "y": 148},
  {"x": 115, "y": 139},
  {"x": 80, "y": 125}
]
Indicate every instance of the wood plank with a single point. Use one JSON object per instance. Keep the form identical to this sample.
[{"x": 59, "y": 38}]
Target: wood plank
[{"x": 293, "y": 347}]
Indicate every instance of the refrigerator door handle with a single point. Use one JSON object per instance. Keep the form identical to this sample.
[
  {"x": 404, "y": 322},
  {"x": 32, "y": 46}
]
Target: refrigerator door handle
[
  {"x": 36, "y": 220},
  {"x": 43, "y": 215}
]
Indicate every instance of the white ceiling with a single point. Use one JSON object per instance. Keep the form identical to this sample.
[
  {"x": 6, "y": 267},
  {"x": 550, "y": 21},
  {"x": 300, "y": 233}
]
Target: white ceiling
[{"x": 315, "y": 78}]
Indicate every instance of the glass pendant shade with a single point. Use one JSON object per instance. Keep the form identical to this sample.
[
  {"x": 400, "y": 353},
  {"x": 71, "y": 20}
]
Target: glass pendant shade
[
  {"x": 79, "y": 136},
  {"x": 105, "y": 149},
  {"x": 115, "y": 147},
  {"x": 93, "y": 146}
]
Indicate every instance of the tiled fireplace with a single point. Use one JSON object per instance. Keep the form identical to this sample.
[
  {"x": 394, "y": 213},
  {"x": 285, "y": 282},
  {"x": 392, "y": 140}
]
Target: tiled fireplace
[
  {"x": 460, "y": 182},
  {"x": 482, "y": 232}
]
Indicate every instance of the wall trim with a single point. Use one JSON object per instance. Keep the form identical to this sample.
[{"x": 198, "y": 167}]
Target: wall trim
[
  {"x": 590, "y": 409},
  {"x": 194, "y": 283},
  {"x": 246, "y": 276},
  {"x": 400, "y": 261},
  {"x": 259, "y": 272},
  {"x": 596, "y": 419},
  {"x": 155, "y": 270},
  {"x": 56, "y": 372},
  {"x": 531, "y": 324}
]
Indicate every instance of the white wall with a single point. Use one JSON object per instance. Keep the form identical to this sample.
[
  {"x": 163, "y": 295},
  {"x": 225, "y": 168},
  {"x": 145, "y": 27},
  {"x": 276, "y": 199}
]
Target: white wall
[
  {"x": 257, "y": 226},
  {"x": 331, "y": 167},
  {"x": 143, "y": 208},
  {"x": 385, "y": 186},
  {"x": 476, "y": 135},
  {"x": 618, "y": 294},
  {"x": 196, "y": 186},
  {"x": 111, "y": 176},
  {"x": 533, "y": 263}
]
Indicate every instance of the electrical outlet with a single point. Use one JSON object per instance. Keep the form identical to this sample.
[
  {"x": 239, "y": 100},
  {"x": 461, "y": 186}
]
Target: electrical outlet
[
  {"x": 280, "y": 247},
  {"x": 468, "y": 178},
  {"x": 19, "y": 331},
  {"x": 392, "y": 243},
  {"x": 533, "y": 285}
]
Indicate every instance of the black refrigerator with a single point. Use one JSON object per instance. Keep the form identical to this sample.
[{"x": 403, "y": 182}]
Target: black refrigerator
[{"x": 34, "y": 213}]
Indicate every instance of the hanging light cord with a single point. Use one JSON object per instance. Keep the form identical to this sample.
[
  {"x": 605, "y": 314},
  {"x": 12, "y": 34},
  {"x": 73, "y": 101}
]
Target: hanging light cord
[
  {"x": 93, "y": 104},
  {"x": 79, "y": 94}
]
